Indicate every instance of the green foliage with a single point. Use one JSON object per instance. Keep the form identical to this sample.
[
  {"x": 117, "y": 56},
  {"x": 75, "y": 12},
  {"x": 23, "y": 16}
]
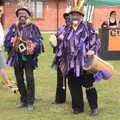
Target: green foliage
[{"x": 108, "y": 94}]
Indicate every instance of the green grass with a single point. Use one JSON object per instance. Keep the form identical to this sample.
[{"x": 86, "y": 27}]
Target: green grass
[{"x": 108, "y": 93}]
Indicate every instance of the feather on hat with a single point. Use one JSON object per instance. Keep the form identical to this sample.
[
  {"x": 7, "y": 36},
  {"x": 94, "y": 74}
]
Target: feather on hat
[{"x": 77, "y": 7}]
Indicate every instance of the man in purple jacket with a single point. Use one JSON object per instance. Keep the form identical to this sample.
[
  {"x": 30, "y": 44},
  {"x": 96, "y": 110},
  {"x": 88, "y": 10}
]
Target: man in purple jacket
[
  {"x": 23, "y": 43},
  {"x": 80, "y": 41}
]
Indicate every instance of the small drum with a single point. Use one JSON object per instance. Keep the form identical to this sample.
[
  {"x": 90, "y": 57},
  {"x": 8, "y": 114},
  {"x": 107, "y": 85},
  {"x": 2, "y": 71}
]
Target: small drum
[{"x": 95, "y": 64}]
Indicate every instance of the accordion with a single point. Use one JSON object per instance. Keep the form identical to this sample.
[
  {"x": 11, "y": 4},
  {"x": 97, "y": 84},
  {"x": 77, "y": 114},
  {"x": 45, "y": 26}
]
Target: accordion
[{"x": 22, "y": 46}]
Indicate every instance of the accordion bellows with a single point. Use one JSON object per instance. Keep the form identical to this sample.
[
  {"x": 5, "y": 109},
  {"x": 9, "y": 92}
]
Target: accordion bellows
[{"x": 22, "y": 46}]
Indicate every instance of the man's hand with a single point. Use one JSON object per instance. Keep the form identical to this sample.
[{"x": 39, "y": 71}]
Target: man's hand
[
  {"x": 30, "y": 47},
  {"x": 13, "y": 40},
  {"x": 61, "y": 37},
  {"x": 90, "y": 53}
]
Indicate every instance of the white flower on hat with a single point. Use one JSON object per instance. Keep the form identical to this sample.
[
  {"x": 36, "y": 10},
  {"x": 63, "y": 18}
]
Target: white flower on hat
[{"x": 68, "y": 9}]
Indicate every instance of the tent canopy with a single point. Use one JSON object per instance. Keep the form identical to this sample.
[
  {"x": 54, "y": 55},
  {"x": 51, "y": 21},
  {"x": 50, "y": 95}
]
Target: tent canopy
[
  {"x": 104, "y": 2},
  {"x": 91, "y": 4}
]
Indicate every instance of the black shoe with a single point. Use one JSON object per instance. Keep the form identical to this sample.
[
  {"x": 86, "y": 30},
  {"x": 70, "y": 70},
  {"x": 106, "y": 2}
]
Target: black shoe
[
  {"x": 21, "y": 105},
  {"x": 77, "y": 111},
  {"x": 30, "y": 108},
  {"x": 94, "y": 112}
]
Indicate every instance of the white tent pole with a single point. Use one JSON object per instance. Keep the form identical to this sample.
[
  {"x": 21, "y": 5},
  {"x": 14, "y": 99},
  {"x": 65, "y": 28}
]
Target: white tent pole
[{"x": 91, "y": 14}]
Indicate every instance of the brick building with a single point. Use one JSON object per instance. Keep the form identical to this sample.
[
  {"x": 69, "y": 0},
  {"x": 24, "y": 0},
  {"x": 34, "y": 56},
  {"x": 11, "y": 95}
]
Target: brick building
[{"x": 48, "y": 14}]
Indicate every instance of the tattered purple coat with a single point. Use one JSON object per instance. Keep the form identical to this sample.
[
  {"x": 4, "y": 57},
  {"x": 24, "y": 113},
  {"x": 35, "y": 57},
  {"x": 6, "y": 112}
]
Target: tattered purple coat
[
  {"x": 72, "y": 50},
  {"x": 30, "y": 32}
]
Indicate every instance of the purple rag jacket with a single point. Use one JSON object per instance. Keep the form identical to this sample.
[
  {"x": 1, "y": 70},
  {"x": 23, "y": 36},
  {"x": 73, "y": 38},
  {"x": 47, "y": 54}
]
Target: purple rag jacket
[
  {"x": 71, "y": 52},
  {"x": 29, "y": 32}
]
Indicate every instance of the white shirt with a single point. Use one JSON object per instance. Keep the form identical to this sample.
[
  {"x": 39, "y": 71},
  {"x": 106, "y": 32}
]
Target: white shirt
[{"x": 1, "y": 36}]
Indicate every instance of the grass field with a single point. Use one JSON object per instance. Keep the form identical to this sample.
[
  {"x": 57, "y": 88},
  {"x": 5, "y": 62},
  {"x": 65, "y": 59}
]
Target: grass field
[{"x": 108, "y": 93}]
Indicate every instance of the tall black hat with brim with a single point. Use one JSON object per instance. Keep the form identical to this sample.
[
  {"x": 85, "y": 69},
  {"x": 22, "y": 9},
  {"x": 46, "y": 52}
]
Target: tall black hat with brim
[
  {"x": 67, "y": 12},
  {"x": 24, "y": 9},
  {"x": 78, "y": 12},
  {"x": 65, "y": 15}
]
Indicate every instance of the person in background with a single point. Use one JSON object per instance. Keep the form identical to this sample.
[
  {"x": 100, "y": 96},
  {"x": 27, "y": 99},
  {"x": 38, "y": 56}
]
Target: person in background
[
  {"x": 112, "y": 21},
  {"x": 3, "y": 71},
  {"x": 1, "y": 17}
]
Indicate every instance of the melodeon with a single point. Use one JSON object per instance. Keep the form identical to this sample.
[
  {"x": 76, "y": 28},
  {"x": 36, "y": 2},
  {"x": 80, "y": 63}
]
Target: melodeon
[
  {"x": 22, "y": 46},
  {"x": 94, "y": 64}
]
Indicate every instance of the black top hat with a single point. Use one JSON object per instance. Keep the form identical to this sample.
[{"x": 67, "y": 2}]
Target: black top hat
[
  {"x": 25, "y": 9},
  {"x": 65, "y": 15}
]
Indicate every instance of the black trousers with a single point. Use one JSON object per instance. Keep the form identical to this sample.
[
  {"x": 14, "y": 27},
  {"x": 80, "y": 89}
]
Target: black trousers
[
  {"x": 60, "y": 91},
  {"x": 75, "y": 86},
  {"x": 27, "y": 92},
  {"x": 91, "y": 93},
  {"x": 75, "y": 91}
]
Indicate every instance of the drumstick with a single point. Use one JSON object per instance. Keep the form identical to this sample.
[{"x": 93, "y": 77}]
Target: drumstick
[{"x": 64, "y": 82}]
